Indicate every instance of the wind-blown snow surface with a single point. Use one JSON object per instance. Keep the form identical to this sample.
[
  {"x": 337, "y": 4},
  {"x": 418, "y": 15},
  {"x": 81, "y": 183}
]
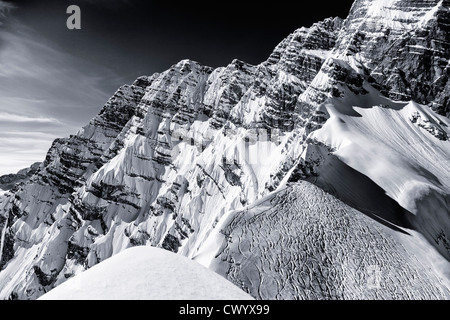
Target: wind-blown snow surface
[
  {"x": 302, "y": 243},
  {"x": 403, "y": 148},
  {"x": 147, "y": 273}
]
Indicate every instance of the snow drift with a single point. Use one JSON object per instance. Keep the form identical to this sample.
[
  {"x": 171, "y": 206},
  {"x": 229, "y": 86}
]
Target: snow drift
[{"x": 147, "y": 273}]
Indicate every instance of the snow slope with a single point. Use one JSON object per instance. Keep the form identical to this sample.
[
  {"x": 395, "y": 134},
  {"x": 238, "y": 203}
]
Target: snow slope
[
  {"x": 147, "y": 273},
  {"x": 303, "y": 243},
  {"x": 399, "y": 150},
  {"x": 370, "y": 193}
]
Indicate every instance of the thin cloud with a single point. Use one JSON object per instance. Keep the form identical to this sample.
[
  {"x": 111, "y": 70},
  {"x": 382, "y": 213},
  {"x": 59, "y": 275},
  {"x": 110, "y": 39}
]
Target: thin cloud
[
  {"x": 9, "y": 117},
  {"x": 45, "y": 93},
  {"x": 18, "y": 152},
  {"x": 35, "y": 135}
]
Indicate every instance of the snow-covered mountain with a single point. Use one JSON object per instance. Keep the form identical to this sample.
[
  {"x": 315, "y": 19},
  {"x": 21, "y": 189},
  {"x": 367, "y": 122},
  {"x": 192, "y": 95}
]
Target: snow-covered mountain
[
  {"x": 8, "y": 181},
  {"x": 322, "y": 172}
]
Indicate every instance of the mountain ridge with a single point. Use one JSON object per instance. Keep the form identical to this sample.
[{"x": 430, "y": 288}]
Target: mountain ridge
[{"x": 171, "y": 155}]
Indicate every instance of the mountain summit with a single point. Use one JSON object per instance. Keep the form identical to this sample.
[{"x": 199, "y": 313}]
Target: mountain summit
[{"x": 321, "y": 173}]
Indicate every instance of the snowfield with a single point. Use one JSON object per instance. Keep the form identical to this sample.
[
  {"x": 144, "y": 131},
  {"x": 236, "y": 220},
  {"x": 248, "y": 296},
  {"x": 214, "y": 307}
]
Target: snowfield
[
  {"x": 390, "y": 158},
  {"x": 147, "y": 273},
  {"x": 303, "y": 243}
]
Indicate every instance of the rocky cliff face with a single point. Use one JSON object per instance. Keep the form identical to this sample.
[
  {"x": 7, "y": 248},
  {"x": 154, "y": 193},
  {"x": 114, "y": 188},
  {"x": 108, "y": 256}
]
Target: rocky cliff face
[
  {"x": 170, "y": 155},
  {"x": 404, "y": 46}
]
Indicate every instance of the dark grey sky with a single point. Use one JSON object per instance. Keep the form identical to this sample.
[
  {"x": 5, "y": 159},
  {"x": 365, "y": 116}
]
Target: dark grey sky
[
  {"x": 142, "y": 36},
  {"x": 53, "y": 80}
]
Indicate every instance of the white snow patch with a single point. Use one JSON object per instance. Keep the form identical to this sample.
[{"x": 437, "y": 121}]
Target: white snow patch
[
  {"x": 147, "y": 273},
  {"x": 390, "y": 149},
  {"x": 323, "y": 54}
]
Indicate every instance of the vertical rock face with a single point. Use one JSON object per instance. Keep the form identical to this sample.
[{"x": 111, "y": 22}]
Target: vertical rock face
[
  {"x": 405, "y": 47},
  {"x": 401, "y": 46},
  {"x": 170, "y": 156}
]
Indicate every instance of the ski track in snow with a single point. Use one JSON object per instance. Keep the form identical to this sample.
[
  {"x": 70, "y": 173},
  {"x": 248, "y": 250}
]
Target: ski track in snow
[{"x": 302, "y": 243}]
